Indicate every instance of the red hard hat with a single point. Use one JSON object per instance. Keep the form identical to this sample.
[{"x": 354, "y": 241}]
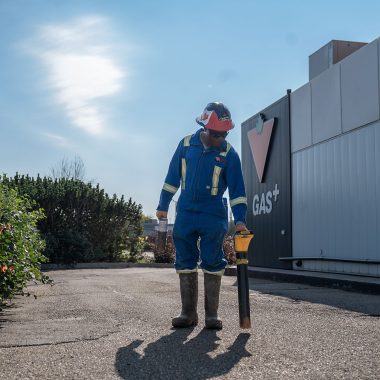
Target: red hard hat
[{"x": 216, "y": 117}]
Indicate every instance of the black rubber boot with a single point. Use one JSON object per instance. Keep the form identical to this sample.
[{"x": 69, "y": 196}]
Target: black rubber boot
[
  {"x": 189, "y": 297},
  {"x": 212, "y": 291}
]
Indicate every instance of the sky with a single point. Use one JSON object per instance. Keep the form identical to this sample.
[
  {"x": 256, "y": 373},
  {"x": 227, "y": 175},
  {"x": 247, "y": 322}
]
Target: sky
[{"x": 120, "y": 82}]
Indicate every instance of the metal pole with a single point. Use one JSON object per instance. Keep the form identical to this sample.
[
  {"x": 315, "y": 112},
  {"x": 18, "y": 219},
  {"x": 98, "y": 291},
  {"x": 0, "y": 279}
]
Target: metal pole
[{"x": 243, "y": 291}]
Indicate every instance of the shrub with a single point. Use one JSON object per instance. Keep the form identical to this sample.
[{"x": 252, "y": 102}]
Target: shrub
[
  {"x": 82, "y": 222},
  {"x": 72, "y": 247},
  {"x": 21, "y": 246},
  {"x": 229, "y": 250},
  {"x": 168, "y": 254},
  {"x": 135, "y": 247},
  {"x": 148, "y": 246}
]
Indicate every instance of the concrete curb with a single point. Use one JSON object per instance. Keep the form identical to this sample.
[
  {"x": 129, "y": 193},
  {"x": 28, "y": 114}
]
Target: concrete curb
[
  {"x": 47, "y": 266},
  {"x": 332, "y": 280}
]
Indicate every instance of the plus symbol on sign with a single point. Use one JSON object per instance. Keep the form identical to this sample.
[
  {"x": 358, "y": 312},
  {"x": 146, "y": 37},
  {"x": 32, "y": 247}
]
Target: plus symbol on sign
[{"x": 275, "y": 192}]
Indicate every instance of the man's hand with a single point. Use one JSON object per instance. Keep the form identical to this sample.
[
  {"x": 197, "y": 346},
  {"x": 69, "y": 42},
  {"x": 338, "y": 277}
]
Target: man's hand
[
  {"x": 241, "y": 227},
  {"x": 161, "y": 214}
]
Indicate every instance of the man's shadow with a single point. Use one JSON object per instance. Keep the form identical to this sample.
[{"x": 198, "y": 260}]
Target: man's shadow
[{"x": 172, "y": 356}]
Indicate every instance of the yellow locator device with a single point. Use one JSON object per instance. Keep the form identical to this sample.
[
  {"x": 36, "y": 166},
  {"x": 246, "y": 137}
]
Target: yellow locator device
[{"x": 242, "y": 240}]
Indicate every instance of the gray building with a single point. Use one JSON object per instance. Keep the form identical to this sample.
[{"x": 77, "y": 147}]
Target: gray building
[
  {"x": 150, "y": 228},
  {"x": 332, "y": 161}
]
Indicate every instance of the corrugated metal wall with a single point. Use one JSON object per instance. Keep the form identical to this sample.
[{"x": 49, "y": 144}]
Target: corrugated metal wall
[
  {"x": 272, "y": 230},
  {"x": 335, "y": 144},
  {"x": 336, "y": 208}
]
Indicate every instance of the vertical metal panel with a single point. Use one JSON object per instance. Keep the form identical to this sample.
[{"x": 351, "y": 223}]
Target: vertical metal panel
[
  {"x": 269, "y": 243},
  {"x": 378, "y": 65},
  {"x": 360, "y": 87},
  {"x": 376, "y": 174},
  {"x": 320, "y": 60},
  {"x": 326, "y": 105},
  {"x": 336, "y": 200},
  {"x": 300, "y": 118}
]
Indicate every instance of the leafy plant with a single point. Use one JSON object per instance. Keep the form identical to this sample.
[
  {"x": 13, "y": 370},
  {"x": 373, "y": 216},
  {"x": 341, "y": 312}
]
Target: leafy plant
[
  {"x": 229, "y": 250},
  {"x": 168, "y": 254},
  {"x": 21, "y": 245}
]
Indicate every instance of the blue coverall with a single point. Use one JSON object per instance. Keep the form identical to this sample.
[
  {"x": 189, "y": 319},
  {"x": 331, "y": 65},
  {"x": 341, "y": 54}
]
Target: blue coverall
[{"x": 204, "y": 175}]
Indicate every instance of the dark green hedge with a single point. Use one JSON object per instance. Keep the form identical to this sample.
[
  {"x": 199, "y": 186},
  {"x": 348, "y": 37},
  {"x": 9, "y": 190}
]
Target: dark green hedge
[{"x": 82, "y": 222}]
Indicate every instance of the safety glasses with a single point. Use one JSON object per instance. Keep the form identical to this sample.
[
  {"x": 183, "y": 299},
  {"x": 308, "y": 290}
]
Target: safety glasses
[{"x": 217, "y": 135}]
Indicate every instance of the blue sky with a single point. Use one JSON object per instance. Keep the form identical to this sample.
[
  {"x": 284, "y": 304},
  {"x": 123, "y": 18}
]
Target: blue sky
[{"x": 119, "y": 83}]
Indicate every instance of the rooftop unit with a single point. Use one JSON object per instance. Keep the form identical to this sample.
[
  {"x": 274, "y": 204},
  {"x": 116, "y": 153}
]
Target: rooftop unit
[{"x": 330, "y": 54}]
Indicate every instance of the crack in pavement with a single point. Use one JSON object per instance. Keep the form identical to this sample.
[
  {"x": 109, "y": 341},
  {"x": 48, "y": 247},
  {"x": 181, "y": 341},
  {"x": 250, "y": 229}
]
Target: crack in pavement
[{"x": 62, "y": 342}]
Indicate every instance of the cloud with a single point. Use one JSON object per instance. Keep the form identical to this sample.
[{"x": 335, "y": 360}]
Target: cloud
[
  {"x": 81, "y": 70},
  {"x": 57, "y": 140}
]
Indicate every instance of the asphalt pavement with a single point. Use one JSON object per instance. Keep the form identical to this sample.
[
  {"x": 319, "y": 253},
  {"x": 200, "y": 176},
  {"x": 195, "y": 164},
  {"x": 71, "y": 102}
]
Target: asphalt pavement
[{"x": 115, "y": 324}]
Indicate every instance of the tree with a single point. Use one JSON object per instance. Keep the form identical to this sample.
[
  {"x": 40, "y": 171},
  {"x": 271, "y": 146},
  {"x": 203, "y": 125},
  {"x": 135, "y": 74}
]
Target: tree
[{"x": 69, "y": 169}]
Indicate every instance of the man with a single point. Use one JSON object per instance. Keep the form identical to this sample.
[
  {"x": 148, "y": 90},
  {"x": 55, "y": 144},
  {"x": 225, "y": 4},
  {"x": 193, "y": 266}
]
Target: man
[{"x": 205, "y": 165}]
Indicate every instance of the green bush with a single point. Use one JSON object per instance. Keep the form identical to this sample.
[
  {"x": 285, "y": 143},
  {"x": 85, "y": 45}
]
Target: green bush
[
  {"x": 82, "y": 222},
  {"x": 164, "y": 257},
  {"x": 229, "y": 250},
  {"x": 21, "y": 246},
  {"x": 135, "y": 248},
  {"x": 168, "y": 254},
  {"x": 71, "y": 247}
]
